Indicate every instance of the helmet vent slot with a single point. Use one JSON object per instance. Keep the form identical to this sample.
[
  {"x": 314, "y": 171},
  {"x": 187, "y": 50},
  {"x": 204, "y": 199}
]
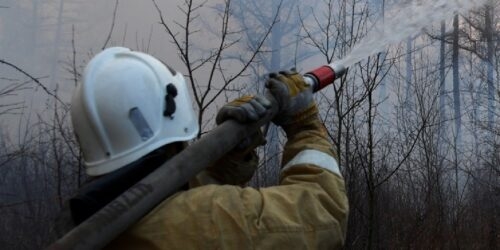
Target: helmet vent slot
[{"x": 140, "y": 124}]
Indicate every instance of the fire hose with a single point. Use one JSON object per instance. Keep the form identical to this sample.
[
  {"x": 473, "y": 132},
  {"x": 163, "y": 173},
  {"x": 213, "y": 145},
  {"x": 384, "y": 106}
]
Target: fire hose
[{"x": 128, "y": 208}]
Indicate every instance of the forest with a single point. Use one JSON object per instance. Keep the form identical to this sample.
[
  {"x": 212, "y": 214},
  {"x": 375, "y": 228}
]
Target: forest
[{"x": 414, "y": 120}]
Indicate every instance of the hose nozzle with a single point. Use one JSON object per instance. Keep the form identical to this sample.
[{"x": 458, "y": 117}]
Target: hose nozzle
[
  {"x": 324, "y": 75},
  {"x": 339, "y": 69}
]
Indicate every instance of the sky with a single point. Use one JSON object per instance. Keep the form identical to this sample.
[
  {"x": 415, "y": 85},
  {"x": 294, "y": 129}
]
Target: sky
[
  {"x": 41, "y": 43},
  {"x": 33, "y": 42}
]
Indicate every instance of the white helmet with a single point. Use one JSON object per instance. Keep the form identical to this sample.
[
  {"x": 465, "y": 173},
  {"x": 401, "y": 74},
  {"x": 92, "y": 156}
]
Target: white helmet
[{"x": 128, "y": 105}]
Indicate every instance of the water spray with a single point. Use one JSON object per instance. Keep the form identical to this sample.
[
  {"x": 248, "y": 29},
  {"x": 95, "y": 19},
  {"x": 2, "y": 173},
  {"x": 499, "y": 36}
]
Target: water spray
[{"x": 406, "y": 20}]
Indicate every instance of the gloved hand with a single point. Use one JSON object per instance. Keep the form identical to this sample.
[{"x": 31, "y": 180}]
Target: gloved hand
[
  {"x": 294, "y": 97},
  {"x": 244, "y": 109},
  {"x": 238, "y": 166}
]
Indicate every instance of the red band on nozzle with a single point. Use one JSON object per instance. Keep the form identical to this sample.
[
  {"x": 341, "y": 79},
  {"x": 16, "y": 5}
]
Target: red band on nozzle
[{"x": 324, "y": 76}]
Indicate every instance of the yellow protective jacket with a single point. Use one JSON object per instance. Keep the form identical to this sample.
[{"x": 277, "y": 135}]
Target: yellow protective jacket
[{"x": 308, "y": 210}]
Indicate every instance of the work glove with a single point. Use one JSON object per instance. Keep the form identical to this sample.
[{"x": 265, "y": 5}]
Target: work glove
[
  {"x": 294, "y": 97},
  {"x": 238, "y": 166},
  {"x": 245, "y": 109}
]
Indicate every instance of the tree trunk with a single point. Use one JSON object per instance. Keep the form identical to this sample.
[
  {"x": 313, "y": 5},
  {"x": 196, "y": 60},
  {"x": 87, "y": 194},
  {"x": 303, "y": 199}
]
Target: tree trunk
[
  {"x": 488, "y": 29},
  {"x": 409, "y": 72},
  {"x": 383, "y": 85},
  {"x": 442, "y": 88},
  {"x": 372, "y": 225},
  {"x": 273, "y": 144},
  {"x": 456, "y": 79}
]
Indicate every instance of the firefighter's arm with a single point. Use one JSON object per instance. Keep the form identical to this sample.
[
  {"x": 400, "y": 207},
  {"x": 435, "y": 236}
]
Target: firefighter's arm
[
  {"x": 310, "y": 174},
  {"x": 307, "y": 211},
  {"x": 307, "y": 140}
]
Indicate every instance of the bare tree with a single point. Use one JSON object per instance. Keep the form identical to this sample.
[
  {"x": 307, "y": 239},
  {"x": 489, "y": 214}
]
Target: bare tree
[
  {"x": 282, "y": 51},
  {"x": 456, "y": 78},
  {"x": 208, "y": 87},
  {"x": 411, "y": 183}
]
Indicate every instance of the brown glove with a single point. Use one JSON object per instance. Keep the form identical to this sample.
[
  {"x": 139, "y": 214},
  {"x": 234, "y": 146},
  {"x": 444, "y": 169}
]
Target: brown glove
[
  {"x": 238, "y": 166},
  {"x": 296, "y": 104},
  {"x": 244, "y": 109}
]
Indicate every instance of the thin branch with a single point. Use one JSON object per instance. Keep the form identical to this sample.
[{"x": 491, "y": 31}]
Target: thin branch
[
  {"x": 112, "y": 26},
  {"x": 224, "y": 34},
  {"x": 184, "y": 51},
  {"x": 45, "y": 89},
  {"x": 75, "y": 73},
  {"x": 250, "y": 61}
]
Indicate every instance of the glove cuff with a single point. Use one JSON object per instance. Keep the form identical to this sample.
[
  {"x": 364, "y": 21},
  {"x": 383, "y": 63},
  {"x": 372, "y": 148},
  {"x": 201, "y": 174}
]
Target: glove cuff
[{"x": 302, "y": 120}]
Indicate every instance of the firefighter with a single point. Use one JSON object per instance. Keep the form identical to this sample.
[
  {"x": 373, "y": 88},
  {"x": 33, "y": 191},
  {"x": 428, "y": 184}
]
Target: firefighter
[{"x": 132, "y": 113}]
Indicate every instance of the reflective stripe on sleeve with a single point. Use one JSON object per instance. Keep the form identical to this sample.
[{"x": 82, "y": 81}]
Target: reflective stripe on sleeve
[{"x": 317, "y": 158}]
